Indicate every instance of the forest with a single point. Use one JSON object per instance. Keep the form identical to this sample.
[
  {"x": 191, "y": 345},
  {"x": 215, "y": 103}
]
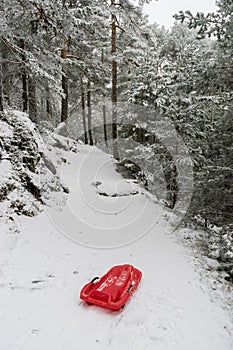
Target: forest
[{"x": 102, "y": 70}]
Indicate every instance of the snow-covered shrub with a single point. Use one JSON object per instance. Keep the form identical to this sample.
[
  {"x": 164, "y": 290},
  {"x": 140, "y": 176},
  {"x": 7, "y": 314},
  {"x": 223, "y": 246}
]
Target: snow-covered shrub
[
  {"x": 220, "y": 247},
  {"x": 216, "y": 244},
  {"x": 27, "y": 172}
]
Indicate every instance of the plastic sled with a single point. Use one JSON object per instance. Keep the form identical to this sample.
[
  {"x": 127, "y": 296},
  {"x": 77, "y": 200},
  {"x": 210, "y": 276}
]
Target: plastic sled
[{"x": 113, "y": 289}]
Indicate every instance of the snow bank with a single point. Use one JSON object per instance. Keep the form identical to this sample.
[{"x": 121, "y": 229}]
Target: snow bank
[{"x": 28, "y": 175}]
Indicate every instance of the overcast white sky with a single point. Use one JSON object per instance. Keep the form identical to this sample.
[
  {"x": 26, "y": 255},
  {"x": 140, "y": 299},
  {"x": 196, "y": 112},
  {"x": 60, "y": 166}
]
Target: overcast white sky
[{"x": 162, "y": 11}]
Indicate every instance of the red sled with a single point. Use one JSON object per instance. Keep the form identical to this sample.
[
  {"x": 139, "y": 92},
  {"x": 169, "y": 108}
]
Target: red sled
[{"x": 113, "y": 289}]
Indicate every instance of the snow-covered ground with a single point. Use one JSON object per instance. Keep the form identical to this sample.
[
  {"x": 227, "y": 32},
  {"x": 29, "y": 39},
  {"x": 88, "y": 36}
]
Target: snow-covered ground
[{"x": 104, "y": 221}]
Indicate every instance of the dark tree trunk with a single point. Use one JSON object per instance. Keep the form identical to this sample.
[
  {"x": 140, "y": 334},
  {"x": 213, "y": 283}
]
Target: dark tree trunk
[
  {"x": 25, "y": 92},
  {"x": 32, "y": 105},
  {"x": 64, "y": 103},
  {"x": 49, "y": 109},
  {"x": 206, "y": 222},
  {"x": 1, "y": 88},
  {"x": 1, "y": 63},
  {"x": 84, "y": 113},
  {"x": 114, "y": 88},
  {"x": 89, "y": 112},
  {"x": 105, "y": 126},
  {"x": 6, "y": 76},
  {"x": 24, "y": 78},
  {"x": 104, "y": 107}
]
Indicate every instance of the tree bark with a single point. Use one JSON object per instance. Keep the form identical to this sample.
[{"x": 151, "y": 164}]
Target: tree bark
[
  {"x": 24, "y": 78},
  {"x": 49, "y": 110},
  {"x": 105, "y": 126},
  {"x": 84, "y": 113},
  {"x": 1, "y": 87},
  {"x": 64, "y": 103},
  {"x": 32, "y": 105},
  {"x": 89, "y": 112},
  {"x": 104, "y": 107},
  {"x": 114, "y": 88},
  {"x": 6, "y": 76}
]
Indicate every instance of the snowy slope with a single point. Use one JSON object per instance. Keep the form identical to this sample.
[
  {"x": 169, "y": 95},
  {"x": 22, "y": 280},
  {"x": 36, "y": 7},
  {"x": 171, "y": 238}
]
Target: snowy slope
[{"x": 44, "y": 266}]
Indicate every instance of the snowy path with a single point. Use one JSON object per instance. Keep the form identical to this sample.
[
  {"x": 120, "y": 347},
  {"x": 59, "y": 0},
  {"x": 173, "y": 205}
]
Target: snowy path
[{"x": 42, "y": 272}]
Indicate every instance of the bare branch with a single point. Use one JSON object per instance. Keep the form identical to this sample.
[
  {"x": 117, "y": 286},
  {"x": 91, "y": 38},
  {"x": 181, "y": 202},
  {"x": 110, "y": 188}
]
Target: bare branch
[
  {"x": 120, "y": 28},
  {"x": 79, "y": 58}
]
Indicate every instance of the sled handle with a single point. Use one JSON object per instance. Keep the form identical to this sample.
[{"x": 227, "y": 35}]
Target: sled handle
[
  {"x": 129, "y": 288},
  {"x": 94, "y": 279}
]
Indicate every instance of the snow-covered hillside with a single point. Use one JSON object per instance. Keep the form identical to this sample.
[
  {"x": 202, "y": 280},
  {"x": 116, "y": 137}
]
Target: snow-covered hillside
[
  {"x": 28, "y": 175},
  {"x": 99, "y": 221}
]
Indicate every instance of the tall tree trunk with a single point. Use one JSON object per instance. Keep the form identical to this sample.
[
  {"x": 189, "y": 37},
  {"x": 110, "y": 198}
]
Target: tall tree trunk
[
  {"x": 32, "y": 105},
  {"x": 114, "y": 88},
  {"x": 6, "y": 76},
  {"x": 104, "y": 107},
  {"x": 2, "y": 12},
  {"x": 84, "y": 113},
  {"x": 89, "y": 112},
  {"x": 24, "y": 78},
  {"x": 49, "y": 109},
  {"x": 105, "y": 126},
  {"x": 1, "y": 87},
  {"x": 64, "y": 103}
]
